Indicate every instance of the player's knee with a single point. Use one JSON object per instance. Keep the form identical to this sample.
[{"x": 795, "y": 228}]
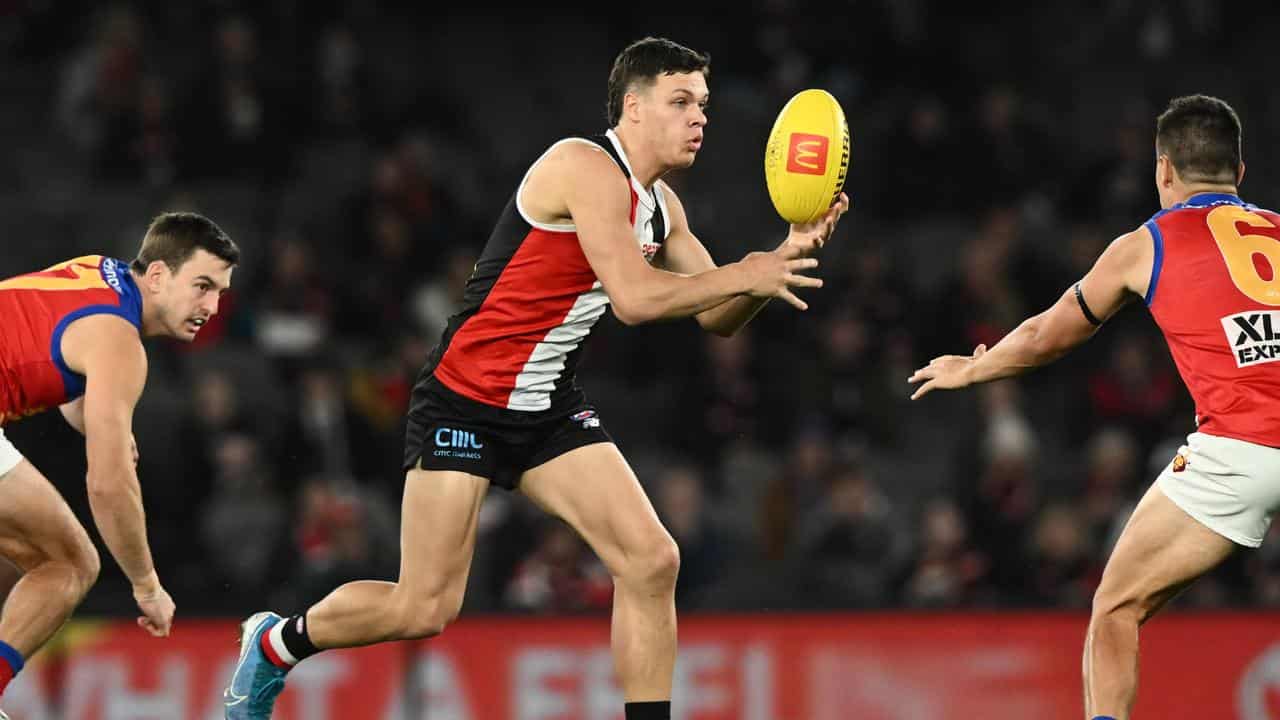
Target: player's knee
[
  {"x": 1116, "y": 604},
  {"x": 85, "y": 566},
  {"x": 427, "y": 616},
  {"x": 77, "y": 561},
  {"x": 426, "y": 623},
  {"x": 657, "y": 564}
]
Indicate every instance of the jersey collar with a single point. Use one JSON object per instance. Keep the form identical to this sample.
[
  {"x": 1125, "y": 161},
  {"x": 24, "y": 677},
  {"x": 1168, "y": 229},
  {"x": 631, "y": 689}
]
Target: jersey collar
[
  {"x": 644, "y": 195},
  {"x": 1207, "y": 199}
]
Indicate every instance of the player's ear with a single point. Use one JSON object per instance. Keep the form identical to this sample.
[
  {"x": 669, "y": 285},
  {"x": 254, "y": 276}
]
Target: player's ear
[
  {"x": 155, "y": 273},
  {"x": 1240, "y": 174},
  {"x": 631, "y": 105},
  {"x": 1165, "y": 173}
]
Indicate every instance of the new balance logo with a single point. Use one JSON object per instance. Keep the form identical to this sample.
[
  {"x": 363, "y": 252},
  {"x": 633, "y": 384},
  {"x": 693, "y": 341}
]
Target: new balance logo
[
  {"x": 111, "y": 274},
  {"x": 1254, "y": 336},
  {"x": 461, "y": 439},
  {"x": 807, "y": 154}
]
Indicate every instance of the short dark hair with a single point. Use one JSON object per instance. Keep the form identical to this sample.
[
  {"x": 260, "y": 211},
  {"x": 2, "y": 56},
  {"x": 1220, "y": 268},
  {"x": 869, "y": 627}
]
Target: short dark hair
[
  {"x": 174, "y": 237},
  {"x": 1201, "y": 136},
  {"x": 643, "y": 61}
]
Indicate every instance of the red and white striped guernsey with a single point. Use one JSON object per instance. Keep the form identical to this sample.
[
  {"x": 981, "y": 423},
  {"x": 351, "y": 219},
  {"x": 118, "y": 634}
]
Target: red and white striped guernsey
[{"x": 533, "y": 299}]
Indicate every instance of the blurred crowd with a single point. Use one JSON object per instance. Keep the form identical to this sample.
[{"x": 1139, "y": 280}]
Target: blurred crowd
[{"x": 358, "y": 152}]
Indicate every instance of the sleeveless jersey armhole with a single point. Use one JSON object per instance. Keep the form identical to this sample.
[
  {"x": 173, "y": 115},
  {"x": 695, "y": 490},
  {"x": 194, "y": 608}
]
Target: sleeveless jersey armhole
[
  {"x": 1157, "y": 259},
  {"x": 524, "y": 215}
]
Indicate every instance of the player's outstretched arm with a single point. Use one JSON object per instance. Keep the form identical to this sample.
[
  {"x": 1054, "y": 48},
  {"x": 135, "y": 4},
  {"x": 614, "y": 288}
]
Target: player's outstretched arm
[
  {"x": 587, "y": 184},
  {"x": 106, "y": 349},
  {"x": 1119, "y": 275},
  {"x": 682, "y": 252}
]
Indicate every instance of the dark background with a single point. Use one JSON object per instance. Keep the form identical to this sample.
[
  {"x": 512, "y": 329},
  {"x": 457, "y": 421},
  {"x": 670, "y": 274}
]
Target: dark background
[{"x": 358, "y": 152}]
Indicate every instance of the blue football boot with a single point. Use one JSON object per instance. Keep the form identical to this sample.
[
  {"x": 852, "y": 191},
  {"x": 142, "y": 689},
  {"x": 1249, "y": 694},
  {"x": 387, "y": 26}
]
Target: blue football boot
[{"x": 256, "y": 681}]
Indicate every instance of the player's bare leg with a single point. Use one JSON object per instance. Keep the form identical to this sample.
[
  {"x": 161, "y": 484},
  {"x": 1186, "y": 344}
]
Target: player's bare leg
[
  {"x": 437, "y": 538},
  {"x": 41, "y": 537},
  {"x": 1161, "y": 551},
  {"x": 10, "y": 574},
  {"x": 594, "y": 490}
]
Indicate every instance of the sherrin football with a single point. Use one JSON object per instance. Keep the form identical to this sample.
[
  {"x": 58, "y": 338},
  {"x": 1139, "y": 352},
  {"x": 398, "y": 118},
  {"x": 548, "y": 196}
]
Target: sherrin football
[{"x": 807, "y": 156}]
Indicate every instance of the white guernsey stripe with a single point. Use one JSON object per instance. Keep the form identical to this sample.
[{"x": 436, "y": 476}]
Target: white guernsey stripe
[
  {"x": 666, "y": 214},
  {"x": 537, "y": 380},
  {"x": 276, "y": 638},
  {"x": 642, "y": 230},
  {"x": 550, "y": 227},
  {"x": 645, "y": 199}
]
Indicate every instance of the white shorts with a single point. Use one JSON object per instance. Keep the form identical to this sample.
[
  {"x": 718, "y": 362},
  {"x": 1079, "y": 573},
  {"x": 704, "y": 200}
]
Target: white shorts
[
  {"x": 1230, "y": 486},
  {"x": 9, "y": 455}
]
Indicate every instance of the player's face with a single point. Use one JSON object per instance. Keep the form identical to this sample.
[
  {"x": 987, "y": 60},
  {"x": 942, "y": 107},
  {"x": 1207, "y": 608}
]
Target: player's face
[
  {"x": 189, "y": 297},
  {"x": 675, "y": 110}
]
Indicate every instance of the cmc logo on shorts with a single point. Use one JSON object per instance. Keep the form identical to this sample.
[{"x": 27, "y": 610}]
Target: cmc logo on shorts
[
  {"x": 807, "y": 154},
  {"x": 450, "y": 438}
]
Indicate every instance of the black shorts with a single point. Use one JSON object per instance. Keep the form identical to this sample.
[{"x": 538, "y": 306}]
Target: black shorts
[{"x": 446, "y": 431}]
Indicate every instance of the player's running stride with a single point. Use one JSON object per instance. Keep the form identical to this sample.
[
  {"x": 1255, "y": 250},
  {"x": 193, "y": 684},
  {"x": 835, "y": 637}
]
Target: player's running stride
[{"x": 590, "y": 225}]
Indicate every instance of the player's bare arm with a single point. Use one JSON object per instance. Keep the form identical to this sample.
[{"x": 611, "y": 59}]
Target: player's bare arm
[
  {"x": 1120, "y": 275},
  {"x": 108, "y": 352},
  {"x": 579, "y": 182},
  {"x": 683, "y": 253},
  {"x": 73, "y": 412}
]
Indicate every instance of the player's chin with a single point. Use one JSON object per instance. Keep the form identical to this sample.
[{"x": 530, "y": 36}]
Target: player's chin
[{"x": 686, "y": 158}]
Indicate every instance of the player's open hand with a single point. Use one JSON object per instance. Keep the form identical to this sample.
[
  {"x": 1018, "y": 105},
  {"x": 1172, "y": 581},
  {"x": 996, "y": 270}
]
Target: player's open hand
[
  {"x": 774, "y": 274},
  {"x": 811, "y": 237},
  {"x": 945, "y": 373},
  {"x": 157, "y": 610}
]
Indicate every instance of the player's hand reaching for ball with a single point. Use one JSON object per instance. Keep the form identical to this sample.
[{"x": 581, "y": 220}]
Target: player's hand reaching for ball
[
  {"x": 809, "y": 238},
  {"x": 156, "y": 606},
  {"x": 945, "y": 373},
  {"x": 774, "y": 274}
]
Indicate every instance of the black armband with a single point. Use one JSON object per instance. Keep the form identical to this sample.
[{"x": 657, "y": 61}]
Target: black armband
[{"x": 1084, "y": 307}]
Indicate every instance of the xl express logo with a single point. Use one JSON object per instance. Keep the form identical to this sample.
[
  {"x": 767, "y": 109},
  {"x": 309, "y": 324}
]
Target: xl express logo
[
  {"x": 807, "y": 154},
  {"x": 1253, "y": 336}
]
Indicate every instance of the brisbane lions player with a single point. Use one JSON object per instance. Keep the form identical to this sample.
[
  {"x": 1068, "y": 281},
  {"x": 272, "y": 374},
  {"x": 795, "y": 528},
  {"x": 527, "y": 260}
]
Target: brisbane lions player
[
  {"x": 590, "y": 225},
  {"x": 71, "y": 337},
  {"x": 1208, "y": 268}
]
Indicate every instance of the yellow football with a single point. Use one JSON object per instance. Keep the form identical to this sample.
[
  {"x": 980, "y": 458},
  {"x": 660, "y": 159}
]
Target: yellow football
[{"x": 807, "y": 156}]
